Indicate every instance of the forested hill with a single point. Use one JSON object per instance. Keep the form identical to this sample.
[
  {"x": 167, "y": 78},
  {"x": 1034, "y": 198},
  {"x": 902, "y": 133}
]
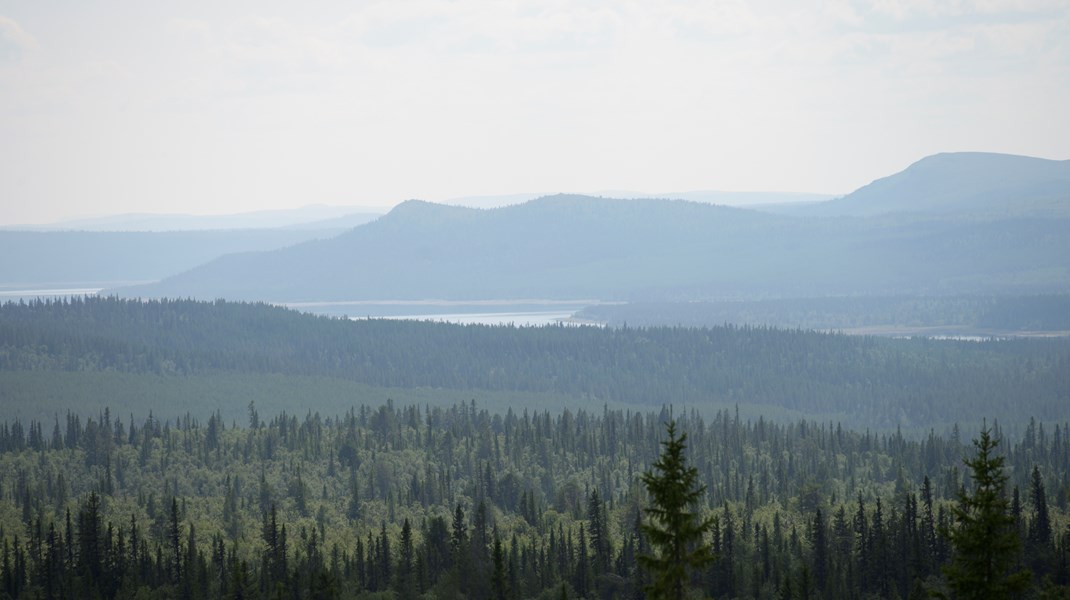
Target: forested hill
[
  {"x": 568, "y": 247},
  {"x": 864, "y": 382},
  {"x": 36, "y": 258},
  {"x": 977, "y": 183},
  {"x": 992, "y": 316}
]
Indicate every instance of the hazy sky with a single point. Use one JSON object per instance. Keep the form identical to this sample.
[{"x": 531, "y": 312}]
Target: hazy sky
[{"x": 210, "y": 107}]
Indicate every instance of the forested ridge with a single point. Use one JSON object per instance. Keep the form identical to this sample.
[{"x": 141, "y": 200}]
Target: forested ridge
[
  {"x": 861, "y": 381},
  {"x": 442, "y": 500},
  {"x": 458, "y": 502},
  {"x": 980, "y": 315},
  {"x": 566, "y": 247}
]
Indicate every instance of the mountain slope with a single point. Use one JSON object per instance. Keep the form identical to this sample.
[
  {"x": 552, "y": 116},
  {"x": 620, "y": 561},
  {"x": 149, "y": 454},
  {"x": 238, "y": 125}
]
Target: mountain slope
[
  {"x": 977, "y": 183},
  {"x": 581, "y": 247},
  {"x": 585, "y": 245},
  {"x": 92, "y": 258}
]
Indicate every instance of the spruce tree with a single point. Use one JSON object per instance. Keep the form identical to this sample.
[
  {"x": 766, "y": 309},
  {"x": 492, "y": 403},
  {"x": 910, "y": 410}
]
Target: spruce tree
[
  {"x": 599, "y": 533},
  {"x": 406, "y": 571},
  {"x": 498, "y": 583},
  {"x": 1039, "y": 547},
  {"x": 676, "y": 533},
  {"x": 820, "y": 550},
  {"x": 985, "y": 540},
  {"x": 174, "y": 534}
]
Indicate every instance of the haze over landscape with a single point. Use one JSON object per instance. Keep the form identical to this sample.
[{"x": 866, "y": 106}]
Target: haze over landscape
[
  {"x": 384, "y": 300},
  {"x": 215, "y": 109}
]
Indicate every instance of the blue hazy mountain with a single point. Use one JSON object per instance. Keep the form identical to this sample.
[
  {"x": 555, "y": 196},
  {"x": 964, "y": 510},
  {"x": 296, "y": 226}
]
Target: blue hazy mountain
[
  {"x": 774, "y": 201},
  {"x": 105, "y": 251},
  {"x": 974, "y": 183},
  {"x": 46, "y": 259},
  {"x": 583, "y": 247}
]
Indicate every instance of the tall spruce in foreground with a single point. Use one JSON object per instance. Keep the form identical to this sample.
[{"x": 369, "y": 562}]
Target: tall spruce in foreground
[
  {"x": 676, "y": 534},
  {"x": 985, "y": 540}
]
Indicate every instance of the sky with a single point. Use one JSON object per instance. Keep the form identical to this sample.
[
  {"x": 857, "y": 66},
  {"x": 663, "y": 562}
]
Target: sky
[{"x": 219, "y": 107}]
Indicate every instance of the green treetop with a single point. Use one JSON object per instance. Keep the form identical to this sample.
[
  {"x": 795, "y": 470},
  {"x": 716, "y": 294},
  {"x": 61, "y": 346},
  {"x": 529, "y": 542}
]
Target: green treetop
[
  {"x": 676, "y": 533},
  {"x": 985, "y": 539}
]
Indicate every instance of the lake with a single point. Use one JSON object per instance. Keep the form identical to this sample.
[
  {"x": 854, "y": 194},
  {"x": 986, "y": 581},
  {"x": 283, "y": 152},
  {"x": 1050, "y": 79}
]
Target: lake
[
  {"x": 521, "y": 313},
  {"x": 519, "y": 319},
  {"x": 46, "y": 293}
]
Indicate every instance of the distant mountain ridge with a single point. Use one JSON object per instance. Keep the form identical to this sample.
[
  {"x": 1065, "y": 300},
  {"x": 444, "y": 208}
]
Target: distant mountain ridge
[
  {"x": 48, "y": 259},
  {"x": 565, "y": 246},
  {"x": 102, "y": 252},
  {"x": 424, "y": 250},
  {"x": 736, "y": 199},
  {"x": 314, "y": 216},
  {"x": 979, "y": 183}
]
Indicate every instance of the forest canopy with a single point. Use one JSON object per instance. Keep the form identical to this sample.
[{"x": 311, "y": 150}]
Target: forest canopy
[
  {"x": 863, "y": 382},
  {"x": 388, "y": 501}
]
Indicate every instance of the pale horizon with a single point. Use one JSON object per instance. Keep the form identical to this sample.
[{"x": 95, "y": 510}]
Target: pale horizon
[{"x": 208, "y": 109}]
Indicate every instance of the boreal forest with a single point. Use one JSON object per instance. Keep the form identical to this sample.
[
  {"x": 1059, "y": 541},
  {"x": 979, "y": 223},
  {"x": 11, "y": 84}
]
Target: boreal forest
[
  {"x": 535, "y": 300},
  {"x": 134, "y": 350},
  {"x": 395, "y": 486}
]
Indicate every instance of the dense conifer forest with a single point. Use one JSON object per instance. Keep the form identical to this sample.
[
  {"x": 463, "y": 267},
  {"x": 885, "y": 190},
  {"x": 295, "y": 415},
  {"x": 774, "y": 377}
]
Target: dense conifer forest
[
  {"x": 282, "y": 494},
  {"x": 979, "y": 315},
  {"x": 863, "y": 382},
  {"x": 410, "y": 502}
]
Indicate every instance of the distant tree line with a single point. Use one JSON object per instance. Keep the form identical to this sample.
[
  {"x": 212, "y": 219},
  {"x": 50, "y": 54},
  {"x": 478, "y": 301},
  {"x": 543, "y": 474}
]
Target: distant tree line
[
  {"x": 868, "y": 382},
  {"x": 1045, "y": 312}
]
